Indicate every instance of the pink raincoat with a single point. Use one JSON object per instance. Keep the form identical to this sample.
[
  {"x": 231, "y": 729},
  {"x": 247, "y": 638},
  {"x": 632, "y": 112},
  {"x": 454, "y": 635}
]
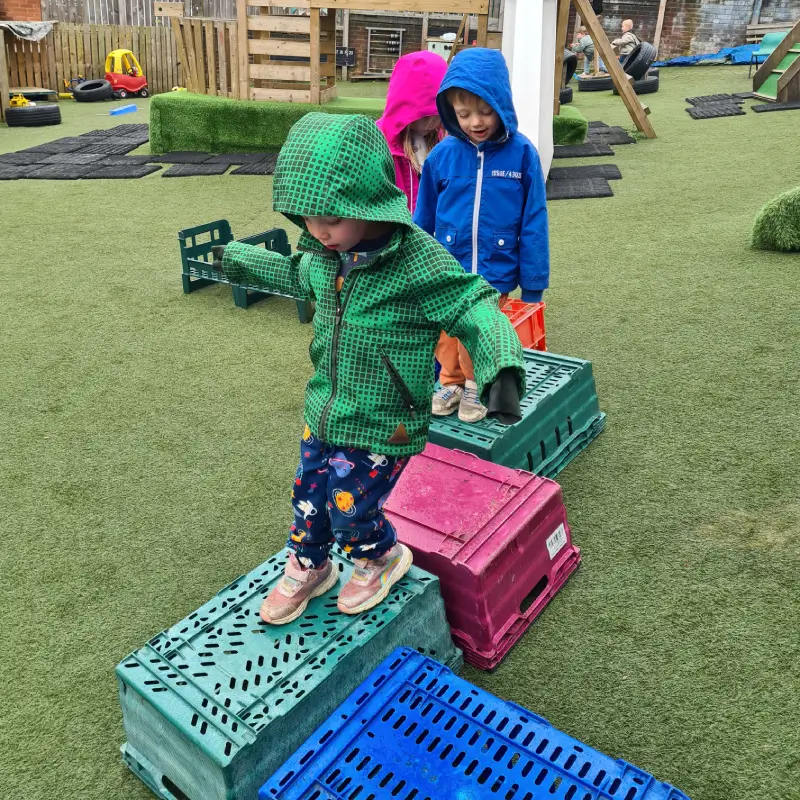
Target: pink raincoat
[{"x": 412, "y": 95}]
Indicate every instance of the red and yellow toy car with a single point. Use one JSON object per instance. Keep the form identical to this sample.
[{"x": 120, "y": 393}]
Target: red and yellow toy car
[{"x": 124, "y": 73}]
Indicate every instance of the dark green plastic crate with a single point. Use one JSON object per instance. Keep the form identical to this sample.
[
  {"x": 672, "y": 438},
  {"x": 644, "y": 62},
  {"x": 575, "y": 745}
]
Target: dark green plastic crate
[
  {"x": 215, "y": 704},
  {"x": 196, "y": 258},
  {"x": 560, "y": 417}
]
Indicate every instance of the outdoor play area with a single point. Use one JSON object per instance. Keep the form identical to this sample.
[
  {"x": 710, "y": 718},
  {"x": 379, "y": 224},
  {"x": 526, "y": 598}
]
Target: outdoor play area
[{"x": 610, "y": 581}]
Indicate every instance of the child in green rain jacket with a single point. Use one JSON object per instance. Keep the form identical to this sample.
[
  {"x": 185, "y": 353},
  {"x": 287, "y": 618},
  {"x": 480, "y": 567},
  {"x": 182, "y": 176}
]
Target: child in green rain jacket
[{"x": 384, "y": 290}]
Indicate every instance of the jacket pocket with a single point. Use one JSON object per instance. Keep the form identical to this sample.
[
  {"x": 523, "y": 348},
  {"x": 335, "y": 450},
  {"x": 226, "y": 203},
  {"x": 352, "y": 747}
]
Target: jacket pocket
[
  {"x": 447, "y": 237},
  {"x": 398, "y": 383},
  {"x": 504, "y": 241}
]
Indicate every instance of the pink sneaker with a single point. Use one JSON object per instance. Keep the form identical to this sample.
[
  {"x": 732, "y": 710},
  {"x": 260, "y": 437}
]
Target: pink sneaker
[
  {"x": 290, "y": 598},
  {"x": 371, "y": 580}
]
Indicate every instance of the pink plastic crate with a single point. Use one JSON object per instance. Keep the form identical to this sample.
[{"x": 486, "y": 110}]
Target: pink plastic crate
[{"x": 497, "y": 539}]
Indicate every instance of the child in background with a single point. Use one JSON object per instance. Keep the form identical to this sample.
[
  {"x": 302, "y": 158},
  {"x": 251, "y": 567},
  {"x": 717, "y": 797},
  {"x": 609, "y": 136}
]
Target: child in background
[
  {"x": 583, "y": 44},
  {"x": 384, "y": 290},
  {"x": 410, "y": 121},
  {"x": 482, "y": 196}
]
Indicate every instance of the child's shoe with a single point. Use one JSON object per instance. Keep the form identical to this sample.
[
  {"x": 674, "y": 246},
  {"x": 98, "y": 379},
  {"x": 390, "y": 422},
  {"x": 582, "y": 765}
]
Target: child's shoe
[
  {"x": 290, "y": 598},
  {"x": 446, "y": 400},
  {"x": 372, "y": 579},
  {"x": 470, "y": 408}
]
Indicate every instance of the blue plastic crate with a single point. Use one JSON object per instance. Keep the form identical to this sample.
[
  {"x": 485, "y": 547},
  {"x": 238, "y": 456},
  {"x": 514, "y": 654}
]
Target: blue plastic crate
[
  {"x": 215, "y": 704},
  {"x": 415, "y": 731}
]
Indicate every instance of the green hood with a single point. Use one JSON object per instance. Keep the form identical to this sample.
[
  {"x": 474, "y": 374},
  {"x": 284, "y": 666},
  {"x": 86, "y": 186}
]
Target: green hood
[{"x": 314, "y": 176}]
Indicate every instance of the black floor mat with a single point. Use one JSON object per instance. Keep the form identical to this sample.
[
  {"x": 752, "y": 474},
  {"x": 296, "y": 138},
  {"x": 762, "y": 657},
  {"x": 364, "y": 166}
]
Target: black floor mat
[
  {"x": 713, "y": 110},
  {"x": 109, "y": 147},
  {"x": 577, "y": 190},
  {"x": 187, "y": 170},
  {"x": 743, "y": 95},
  {"x": 610, "y": 137},
  {"x": 581, "y": 150},
  {"x": 69, "y": 144},
  {"x": 59, "y": 172},
  {"x": 123, "y": 170},
  {"x": 12, "y": 172},
  {"x": 23, "y": 158},
  {"x": 609, "y": 172},
  {"x": 181, "y": 157},
  {"x": 238, "y": 158},
  {"x": 73, "y": 158},
  {"x": 713, "y": 98},
  {"x": 259, "y": 167},
  {"x": 596, "y": 124},
  {"x": 108, "y": 160},
  {"x": 777, "y": 107}
]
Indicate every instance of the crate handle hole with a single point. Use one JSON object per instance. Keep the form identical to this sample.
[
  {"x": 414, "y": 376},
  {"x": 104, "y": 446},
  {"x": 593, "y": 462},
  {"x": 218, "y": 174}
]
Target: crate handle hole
[
  {"x": 533, "y": 595},
  {"x": 173, "y": 789}
]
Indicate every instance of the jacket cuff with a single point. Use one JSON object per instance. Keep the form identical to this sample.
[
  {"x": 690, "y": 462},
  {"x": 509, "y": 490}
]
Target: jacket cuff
[{"x": 532, "y": 295}]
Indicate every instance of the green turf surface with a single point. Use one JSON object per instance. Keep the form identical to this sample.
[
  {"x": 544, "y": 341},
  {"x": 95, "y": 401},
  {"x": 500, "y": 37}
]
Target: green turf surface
[
  {"x": 149, "y": 440},
  {"x": 777, "y": 226}
]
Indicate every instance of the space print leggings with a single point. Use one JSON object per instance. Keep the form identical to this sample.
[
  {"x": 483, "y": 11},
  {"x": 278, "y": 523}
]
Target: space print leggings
[{"x": 337, "y": 496}]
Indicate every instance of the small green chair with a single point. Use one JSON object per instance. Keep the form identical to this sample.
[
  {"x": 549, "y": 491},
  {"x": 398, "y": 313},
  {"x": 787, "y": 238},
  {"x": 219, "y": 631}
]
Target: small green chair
[{"x": 768, "y": 44}]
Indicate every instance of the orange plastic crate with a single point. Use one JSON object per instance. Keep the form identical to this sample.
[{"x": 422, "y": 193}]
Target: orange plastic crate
[{"x": 528, "y": 322}]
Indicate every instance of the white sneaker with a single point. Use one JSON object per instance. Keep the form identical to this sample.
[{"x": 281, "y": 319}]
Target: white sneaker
[
  {"x": 446, "y": 400},
  {"x": 470, "y": 408}
]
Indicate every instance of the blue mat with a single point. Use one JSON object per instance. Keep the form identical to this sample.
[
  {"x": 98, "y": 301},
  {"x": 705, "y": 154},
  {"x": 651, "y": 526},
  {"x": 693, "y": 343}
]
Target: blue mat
[{"x": 728, "y": 55}]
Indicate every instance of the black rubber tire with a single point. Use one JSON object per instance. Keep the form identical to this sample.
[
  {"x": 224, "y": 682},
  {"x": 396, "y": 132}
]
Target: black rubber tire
[
  {"x": 92, "y": 91},
  {"x": 647, "y": 85},
  {"x": 638, "y": 60},
  {"x": 121, "y": 94},
  {"x": 144, "y": 92},
  {"x": 595, "y": 84},
  {"x": 570, "y": 65},
  {"x": 565, "y": 95},
  {"x": 33, "y": 116},
  {"x": 653, "y": 72}
]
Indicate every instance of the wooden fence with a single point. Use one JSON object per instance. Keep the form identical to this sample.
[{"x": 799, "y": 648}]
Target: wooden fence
[
  {"x": 130, "y": 12},
  {"x": 210, "y": 51}
]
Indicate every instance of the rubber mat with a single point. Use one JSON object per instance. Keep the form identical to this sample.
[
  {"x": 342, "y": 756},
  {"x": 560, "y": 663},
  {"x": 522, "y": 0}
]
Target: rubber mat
[
  {"x": 609, "y": 172},
  {"x": 743, "y": 95},
  {"x": 610, "y": 136},
  {"x": 595, "y": 124},
  {"x": 123, "y": 170},
  {"x": 187, "y": 170},
  {"x": 258, "y": 168},
  {"x": 59, "y": 172},
  {"x": 108, "y": 146},
  {"x": 238, "y": 158},
  {"x": 581, "y": 150},
  {"x": 108, "y": 160},
  {"x": 714, "y": 110},
  {"x": 777, "y": 107},
  {"x": 23, "y": 158},
  {"x": 713, "y": 98},
  {"x": 578, "y": 189},
  {"x": 12, "y": 172},
  {"x": 73, "y": 158},
  {"x": 181, "y": 157},
  {"x": 66, "y": 145}
]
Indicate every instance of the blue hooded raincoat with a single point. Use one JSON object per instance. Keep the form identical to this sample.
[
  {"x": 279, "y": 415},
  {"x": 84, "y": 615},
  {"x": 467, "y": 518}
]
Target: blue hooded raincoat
[{"x": 486, "y": 203}]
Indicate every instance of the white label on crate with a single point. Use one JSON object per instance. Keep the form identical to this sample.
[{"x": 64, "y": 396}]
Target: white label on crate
[{"x": 556, "y": 541}]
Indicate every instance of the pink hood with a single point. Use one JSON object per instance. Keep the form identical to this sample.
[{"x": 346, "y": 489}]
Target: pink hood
[{"x": 412, "y": 95}]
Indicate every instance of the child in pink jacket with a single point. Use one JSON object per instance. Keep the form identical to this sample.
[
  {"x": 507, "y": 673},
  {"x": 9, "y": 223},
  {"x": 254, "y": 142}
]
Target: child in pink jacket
[{"x": 410, "y": 121}]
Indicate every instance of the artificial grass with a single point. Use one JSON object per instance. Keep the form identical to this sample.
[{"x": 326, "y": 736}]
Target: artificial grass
[
  {"x": 186, "y": 121},
  {"x": 777, "y": 226},
  {"x": 569, "y": 126},
  {"x": 150, "y": 439}
]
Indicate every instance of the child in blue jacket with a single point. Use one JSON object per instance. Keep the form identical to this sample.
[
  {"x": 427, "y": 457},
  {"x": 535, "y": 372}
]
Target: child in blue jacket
[{"x": 482, "y": 196}]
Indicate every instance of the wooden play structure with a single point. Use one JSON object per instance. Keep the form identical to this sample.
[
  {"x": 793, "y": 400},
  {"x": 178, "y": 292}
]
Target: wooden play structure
[
  {"x": 638, "y": 111},
  {"x": 778, "y": 78}
]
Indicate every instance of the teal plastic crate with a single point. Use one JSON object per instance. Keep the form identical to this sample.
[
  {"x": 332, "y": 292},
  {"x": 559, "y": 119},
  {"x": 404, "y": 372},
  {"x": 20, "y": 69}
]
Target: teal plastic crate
[
  {"x": 215, "y": 704},
  {"x": 560, "y": 417},
  {"x": 196, "y": 258}
]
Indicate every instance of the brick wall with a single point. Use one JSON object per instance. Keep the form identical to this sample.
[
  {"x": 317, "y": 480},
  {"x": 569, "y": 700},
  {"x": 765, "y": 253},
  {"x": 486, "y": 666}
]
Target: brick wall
[
  {"x": 694, "y": 26},
  {"x": 21, "y": 10}
]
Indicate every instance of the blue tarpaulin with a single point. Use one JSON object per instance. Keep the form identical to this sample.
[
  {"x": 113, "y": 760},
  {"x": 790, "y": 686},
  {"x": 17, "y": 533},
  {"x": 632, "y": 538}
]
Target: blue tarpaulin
[{"x": 728, "y": 55}]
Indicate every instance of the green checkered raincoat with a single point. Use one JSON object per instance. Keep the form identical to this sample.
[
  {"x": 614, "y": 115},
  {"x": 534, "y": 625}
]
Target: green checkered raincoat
[{"x": 374, "y": 342}]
